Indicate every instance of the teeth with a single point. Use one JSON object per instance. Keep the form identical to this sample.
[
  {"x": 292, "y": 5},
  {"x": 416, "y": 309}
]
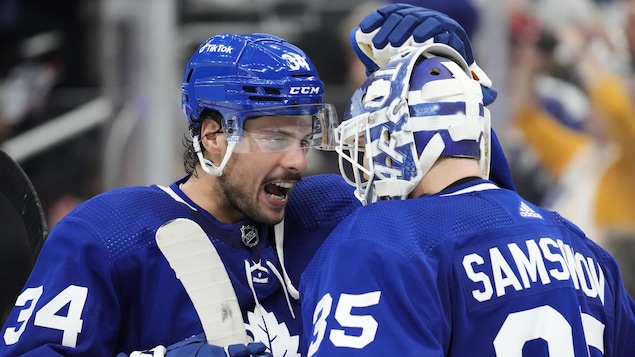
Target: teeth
[
  {"x": 284, "y": 184},
  {"x": 282, "y": 190}
]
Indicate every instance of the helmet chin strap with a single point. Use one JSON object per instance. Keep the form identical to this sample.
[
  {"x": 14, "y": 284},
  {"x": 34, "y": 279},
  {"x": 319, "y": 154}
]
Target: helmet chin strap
[{"x": 207, "y": 165}]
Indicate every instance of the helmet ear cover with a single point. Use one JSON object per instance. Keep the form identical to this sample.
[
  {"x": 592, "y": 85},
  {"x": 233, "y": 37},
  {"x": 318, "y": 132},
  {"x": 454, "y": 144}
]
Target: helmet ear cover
[{"x": 422, "y": 105}]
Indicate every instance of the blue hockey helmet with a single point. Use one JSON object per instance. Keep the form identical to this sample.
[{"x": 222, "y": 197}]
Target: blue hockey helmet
[
  {"x": 422, "y": 105},
  {"x": 250, "y": 76}
]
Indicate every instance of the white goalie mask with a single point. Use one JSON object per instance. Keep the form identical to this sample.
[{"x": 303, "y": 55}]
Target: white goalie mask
[{"x": 422, "y": 105}]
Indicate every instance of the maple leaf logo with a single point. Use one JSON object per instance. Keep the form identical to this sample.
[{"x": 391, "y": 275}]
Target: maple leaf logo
[{"x": 265, "y": 328}]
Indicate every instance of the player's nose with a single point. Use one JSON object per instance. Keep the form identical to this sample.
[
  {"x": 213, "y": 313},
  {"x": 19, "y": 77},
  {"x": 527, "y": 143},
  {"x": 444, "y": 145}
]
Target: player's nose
[{"x": 295, "y": 159}]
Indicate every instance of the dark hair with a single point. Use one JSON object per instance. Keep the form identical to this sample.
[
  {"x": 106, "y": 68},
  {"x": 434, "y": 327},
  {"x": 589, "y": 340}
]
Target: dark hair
[{"x": 190, "y": 160}]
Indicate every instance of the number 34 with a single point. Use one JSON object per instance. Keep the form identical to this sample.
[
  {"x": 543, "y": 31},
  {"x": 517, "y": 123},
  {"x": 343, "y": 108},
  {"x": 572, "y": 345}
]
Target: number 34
[{"x": 71, "y": 324}]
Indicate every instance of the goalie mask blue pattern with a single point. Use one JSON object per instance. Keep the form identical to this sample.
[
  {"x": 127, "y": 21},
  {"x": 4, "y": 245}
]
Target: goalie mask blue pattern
[{"x": 422, "y": 105}]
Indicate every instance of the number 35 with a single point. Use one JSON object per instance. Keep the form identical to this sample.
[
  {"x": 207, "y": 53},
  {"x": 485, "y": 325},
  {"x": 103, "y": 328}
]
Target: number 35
[
  {"x": 343, "y": 316},
  {"x": 546, "y": 323},
  {"x": 543, "y": 322}
]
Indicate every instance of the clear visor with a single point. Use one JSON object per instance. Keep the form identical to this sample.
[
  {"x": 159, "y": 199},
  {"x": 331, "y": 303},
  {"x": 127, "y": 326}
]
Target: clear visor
[{"x": 285, "y": 128}]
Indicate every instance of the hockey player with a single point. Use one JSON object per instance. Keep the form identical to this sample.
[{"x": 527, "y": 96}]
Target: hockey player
[
  {"x": 128, "y": 271},
  {"x": 134, "y": 268},
  {"x": 441, "y": 261}
]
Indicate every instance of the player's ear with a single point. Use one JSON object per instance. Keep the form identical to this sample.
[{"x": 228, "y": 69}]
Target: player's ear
[{"x": 212, "y": 137}]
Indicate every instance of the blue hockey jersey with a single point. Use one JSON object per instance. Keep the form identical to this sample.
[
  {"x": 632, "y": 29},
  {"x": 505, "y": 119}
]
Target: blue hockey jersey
[
  {"x": 101, "y": 285},
  {"x": 474, "y": 270}
]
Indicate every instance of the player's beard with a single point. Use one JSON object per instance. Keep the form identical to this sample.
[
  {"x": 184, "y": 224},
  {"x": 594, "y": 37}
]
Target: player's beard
[{"x": 246, "y": 200}]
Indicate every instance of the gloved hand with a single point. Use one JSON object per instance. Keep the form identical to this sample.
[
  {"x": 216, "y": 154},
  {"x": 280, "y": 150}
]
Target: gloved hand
[
  {"x": 394, "y": 27},
  {"x": 158, "y": 351},
  {"x": 197, "y": 346}
]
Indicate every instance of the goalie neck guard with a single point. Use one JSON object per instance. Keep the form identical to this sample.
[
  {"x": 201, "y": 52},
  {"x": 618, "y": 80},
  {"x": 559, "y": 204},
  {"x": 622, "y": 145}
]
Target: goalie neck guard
[{"x": 422, "y": 105}]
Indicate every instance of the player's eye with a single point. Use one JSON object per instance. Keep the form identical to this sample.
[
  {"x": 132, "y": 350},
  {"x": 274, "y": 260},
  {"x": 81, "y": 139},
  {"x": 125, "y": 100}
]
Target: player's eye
[{"x": 280, "y": 141}]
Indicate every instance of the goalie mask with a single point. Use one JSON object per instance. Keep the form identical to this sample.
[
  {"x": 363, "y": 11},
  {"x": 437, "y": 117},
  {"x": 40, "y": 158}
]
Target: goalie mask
[
  {"x": 250, "y": 76},
  {"x": 422, "y": 105}
]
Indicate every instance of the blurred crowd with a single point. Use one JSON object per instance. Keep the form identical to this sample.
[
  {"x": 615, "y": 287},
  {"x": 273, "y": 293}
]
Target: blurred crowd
[
  {"x": 44, "y": 74},
  {"x": 571, "y": 137},
  {"x": 568, "y": 90}
]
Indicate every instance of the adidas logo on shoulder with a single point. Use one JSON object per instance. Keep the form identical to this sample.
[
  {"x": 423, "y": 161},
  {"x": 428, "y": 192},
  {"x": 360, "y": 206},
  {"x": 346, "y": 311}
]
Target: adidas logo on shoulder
[{"x": 527, "y": 212}]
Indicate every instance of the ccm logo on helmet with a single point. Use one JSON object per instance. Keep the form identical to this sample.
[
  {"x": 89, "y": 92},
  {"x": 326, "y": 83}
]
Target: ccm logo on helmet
[{"x": 304, "y": 90}]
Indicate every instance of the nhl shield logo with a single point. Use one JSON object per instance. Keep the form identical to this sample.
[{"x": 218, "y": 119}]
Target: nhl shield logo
[{"x": 249, "y": 235}]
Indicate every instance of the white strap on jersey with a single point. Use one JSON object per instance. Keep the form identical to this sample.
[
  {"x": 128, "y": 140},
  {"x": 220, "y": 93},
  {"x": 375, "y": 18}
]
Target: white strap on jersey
[
  {"x": 197, "y": 264},
  {"x": 278, "y": 231}
]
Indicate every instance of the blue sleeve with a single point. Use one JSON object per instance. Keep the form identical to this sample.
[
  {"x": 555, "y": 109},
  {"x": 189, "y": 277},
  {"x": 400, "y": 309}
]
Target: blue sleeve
[
  {"x": 318, "y": 203},
  {"x": 625, "y": 343},
  {"x": 370, "y": 298},
  {"x": 621, "y": 332},
  {"x": 66, "y": 300}
]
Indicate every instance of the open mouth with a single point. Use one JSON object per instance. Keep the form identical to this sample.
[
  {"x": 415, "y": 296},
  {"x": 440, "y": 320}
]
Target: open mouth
[{"x": 278, "y": 190}]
